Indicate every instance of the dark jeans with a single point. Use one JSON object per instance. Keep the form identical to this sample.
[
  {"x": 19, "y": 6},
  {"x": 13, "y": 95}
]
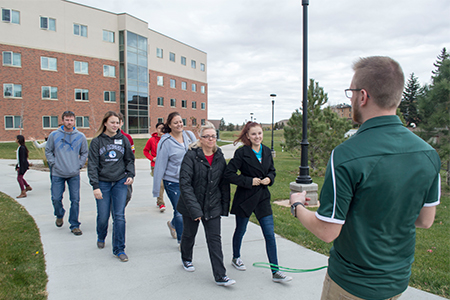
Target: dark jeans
[
  {"x": 113, "y": 202},
  {"x": 58, "y": 187},
  {"x": 173, "y": 191},
  {"x": 267, "y": 228},
  {"x": 213, "y": 239}
]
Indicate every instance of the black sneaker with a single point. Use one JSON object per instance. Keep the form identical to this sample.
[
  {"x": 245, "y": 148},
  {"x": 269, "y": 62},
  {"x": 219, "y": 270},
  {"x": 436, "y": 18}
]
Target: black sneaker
[
  {"x": 188, "y": 266},
  {"x": 225, "y": 281}
]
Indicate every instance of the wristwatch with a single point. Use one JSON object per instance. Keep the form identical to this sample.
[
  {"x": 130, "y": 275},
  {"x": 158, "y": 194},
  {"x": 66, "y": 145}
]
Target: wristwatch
[{"x": 294, "y": 205}]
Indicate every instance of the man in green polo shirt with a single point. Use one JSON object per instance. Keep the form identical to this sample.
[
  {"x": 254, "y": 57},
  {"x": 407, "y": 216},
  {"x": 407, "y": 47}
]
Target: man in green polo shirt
[{"x": 379, "y": 186}]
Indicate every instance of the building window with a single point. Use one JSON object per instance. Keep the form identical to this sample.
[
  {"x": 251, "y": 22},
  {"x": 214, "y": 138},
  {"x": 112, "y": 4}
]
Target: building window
[
  {"x": 80, "y": 30},
  {"x": 194, "y": 87},
  {"x": 184, "y": 122},
  {"x": 173, "y": 83},
  {"x": 108, "y": 36},
  {"x": 82, "y": 122},
  {"x": 81, "y": 67},
  {"x": 203, "y": 105},
  {"x": 202, "y": 67},
  {"x": 193, "y": 64},
  {"x": 12, "y": 90},
  {"x": 194, "y": 122},
  {"x": 183, "y": 60},
  {"x": 202, "y": 89},
  {"x": 13, "y": 122},
  {"x": 160, "y": 101},
  {"x": 11, "y": 16},
  {"x": 49, "y": 92},
  {"x": 48, "y": 23},
  {"x": 203, "y": 122},
  {"x": 159, "y": 52},
  {"x": 183, "y": 85},
  {"x": 184, "y": 103},
  {"x": 109, "y": 71},
  {"x": 109, "y": 96},
  {"x": 49, "y": 121},
  {"x": 160, "y": 120},
  {"x": 172, "y": 56},
  {"x": 160, "y": 80},
  {"x": 173, "y": 103},
  {"x": 12, "y": 59},
  {"x": 81, "y": 95},
  {"x": 49, "y": 63},
  {"x": 194, "y": 104}
]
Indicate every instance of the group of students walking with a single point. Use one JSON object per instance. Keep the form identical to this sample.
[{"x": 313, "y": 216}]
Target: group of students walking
[
  {"x": 192, "y": 171},
  {"x": 197, "y": 181}
]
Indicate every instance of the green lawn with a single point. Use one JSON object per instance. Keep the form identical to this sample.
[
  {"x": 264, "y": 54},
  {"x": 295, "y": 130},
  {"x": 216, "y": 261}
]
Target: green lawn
[
  {"x": 22, "y": 263},
  {"x": 430, "y": 271}
]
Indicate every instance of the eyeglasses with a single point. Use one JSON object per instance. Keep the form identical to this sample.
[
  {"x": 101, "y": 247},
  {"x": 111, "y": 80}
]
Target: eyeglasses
[
  {"x": 68, "y": 112},
  {"x": 349, "y": 92},
  {"x": 209, "y": 137}
]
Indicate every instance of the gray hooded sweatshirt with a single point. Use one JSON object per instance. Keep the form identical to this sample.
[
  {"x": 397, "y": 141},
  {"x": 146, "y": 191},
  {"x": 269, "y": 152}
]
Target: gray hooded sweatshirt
[
  {"x": 66, "y": 152},
  {"x": 170, "y": 154}
]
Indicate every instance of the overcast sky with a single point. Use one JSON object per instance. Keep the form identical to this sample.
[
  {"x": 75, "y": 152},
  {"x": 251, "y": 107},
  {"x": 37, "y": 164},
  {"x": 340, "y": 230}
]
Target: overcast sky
[{"x": 254, "y": 47}]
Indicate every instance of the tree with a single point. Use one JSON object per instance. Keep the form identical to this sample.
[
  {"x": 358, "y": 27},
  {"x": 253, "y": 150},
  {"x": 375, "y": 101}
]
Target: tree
[
  {"x": 230, "y": 127},
  {"x": 408, "y": 105},
  {"x": 440, "y": 59},
  {"x": 434, "y": 108},
  {"x": 222, "y": 126},
  {"x": 325, "y": 129}
]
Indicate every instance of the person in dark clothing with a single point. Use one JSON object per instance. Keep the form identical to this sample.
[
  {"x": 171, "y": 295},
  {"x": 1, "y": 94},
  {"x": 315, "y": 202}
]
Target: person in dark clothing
[
  {"x": 205, "y": 196},
  {"x": 257, "y": 172},
  {"x": 22, "y": 166},
  {"x": 111, "y": 170}
]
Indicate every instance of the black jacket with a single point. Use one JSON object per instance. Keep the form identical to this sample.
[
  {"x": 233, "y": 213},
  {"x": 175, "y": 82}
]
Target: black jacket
[
  {"x": 110, "y": 159},
  {"x": 204, "y": 191},
  {"x": 249, "y": 198},
  {"x": 23, "y": 165}
]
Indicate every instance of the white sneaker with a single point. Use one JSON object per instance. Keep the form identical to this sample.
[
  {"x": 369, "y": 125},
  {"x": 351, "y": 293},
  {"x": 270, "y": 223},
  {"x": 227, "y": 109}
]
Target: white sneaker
[
  {"x": 280, "y": 277},
  {"x": 225, "y": 281},
  {"x": 238, "y": 264}
]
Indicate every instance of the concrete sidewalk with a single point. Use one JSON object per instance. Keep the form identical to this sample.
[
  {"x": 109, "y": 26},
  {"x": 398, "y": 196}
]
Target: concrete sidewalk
[{"x": 78, "y": 270}]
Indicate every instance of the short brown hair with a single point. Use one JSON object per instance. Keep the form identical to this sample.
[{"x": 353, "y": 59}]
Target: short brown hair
[
  {"x": 382, "y": 78},
  {"x": 67, "y": 113}
]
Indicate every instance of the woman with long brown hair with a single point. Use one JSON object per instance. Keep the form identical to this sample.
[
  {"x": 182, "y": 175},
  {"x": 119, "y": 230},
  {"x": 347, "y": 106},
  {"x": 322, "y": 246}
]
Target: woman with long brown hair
[
  {"x": 257, "y": 173},
  {"x": 111, "y": 170},
  {"x": 171, "y": 149},
  {"x": 22, "y": 166}
]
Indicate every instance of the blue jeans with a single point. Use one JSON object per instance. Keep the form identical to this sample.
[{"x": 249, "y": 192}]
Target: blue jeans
[
  {"x": 57, "y": 189},
  {"x": 267, "y": 228},
  {"x": 173, "y": 191},
  {"x": 113, "y": 202}
]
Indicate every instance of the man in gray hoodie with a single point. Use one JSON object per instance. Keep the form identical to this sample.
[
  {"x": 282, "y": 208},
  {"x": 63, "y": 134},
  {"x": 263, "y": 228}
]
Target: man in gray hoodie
[{"x": 66, "y": 152}]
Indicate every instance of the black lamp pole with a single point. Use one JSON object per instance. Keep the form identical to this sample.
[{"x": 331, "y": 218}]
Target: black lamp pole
[
  {"x": 303, "y": 176},
  {"x": 273, "y": 103}
]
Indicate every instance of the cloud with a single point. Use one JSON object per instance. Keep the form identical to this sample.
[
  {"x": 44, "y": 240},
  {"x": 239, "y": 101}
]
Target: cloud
[{"x": 255, "y": 47}]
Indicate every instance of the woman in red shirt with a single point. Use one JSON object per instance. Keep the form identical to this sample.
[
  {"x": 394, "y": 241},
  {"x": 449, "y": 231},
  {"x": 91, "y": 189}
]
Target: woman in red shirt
[{"x": 150, "y": 153}]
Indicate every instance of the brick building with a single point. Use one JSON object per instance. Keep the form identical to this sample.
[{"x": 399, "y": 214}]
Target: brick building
[
  {"x": 343, "y": 110},
  {"x": 59, "y": 55}
]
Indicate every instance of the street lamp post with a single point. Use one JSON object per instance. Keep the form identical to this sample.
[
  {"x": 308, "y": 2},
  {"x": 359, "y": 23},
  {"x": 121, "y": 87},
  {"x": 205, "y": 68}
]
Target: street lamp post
[
  {"x": 303, "y": 176},
  {"x": 273, "y": 104},
  {"x": 251, "y": 117},
  {"x": 304, "y": 181}
]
